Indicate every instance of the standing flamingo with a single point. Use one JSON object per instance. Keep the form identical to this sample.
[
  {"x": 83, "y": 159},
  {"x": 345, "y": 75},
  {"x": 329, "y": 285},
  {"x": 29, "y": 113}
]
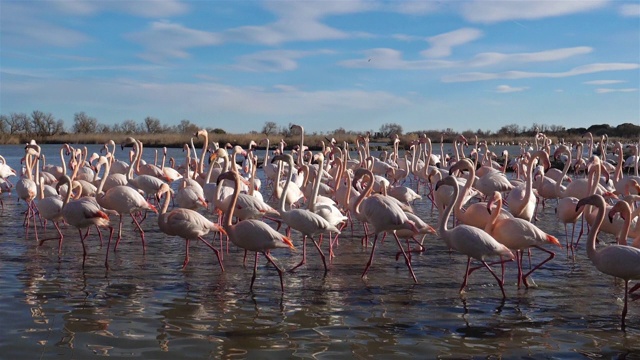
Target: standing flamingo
[
  {"x": 518, "y": 234},
  {"x": 187, "y": 224},
  {"x": 469, "y": 240},
  {"x": 252, "y": 235},
  {"x": 383, "y": 215},
  {"x": 305, "y": 221},
  {"x": 122, "y": 199},
  {"x": 82, "y": 214},
  {"x": 616, "y": 260}
]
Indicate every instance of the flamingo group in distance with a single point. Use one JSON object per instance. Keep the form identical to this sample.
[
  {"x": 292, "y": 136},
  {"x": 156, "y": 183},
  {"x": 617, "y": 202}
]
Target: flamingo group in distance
[{"x": 319, "y": 193}]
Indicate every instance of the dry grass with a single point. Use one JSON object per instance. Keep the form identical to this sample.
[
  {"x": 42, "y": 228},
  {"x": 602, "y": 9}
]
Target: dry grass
[{"x": 312, "y": 141}]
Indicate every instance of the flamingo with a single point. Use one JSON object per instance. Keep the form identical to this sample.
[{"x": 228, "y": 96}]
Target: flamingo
[
  {"x": 187, "y": 224},
  {"x": 621, "y": 261},
  {"x": 26, "y": 187},
  {"x": 522, "y": 201},
  {"x": 518, "y": 234},
  {"x": 82, "y": 214},
  {"x": 383, "y": 215},
  {"x": 305, "y": 221},
  {"x": 469, "y": 240},
  {"x": 122, "y": 199},
  {"x": 50, "y": 208},
  {"x": 252, "y": 235},
  {"x": 475, "y": 214}
]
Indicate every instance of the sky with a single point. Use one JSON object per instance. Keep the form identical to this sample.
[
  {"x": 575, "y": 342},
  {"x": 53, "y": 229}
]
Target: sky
[{"x": 234, "y": 65}]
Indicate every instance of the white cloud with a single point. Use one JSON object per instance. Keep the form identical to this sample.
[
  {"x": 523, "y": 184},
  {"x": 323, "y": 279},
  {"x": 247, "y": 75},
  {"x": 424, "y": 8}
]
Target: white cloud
[
  {"x": 509, "y": 89},
  {"x": 485, "y": 59},
  {"x": 164, "y": 40},
  {"x": 630, "y": 10},
  {"x": 299, "y": 21},
  {"x": 274, "y": 60},
  {"x": 603, "y": 82},
  {"x": 146, "y": 8},
  {"x": 385, "y": 58},
  {"x": 606, "y": 91},
  {"x": 442, "y": 44},
  {"x": 415, "y": 7},
  {"x": 580, "y": 70},
  {"x": 24, "y": 25},
  {"x": 492, "y": 11}
]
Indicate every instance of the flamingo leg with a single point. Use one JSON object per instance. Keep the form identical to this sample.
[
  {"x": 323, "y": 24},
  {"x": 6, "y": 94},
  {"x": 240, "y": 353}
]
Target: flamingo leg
[
  {"x": 324, "y": 262},
  {"x": 141, "y": 233},
  {"x": 407, "y": 260},
  {"x": 115, "y": 247},
  {"x": 466, "y": 274},
  {"x": 496, "y": 277},
  {"x": 59, "y": 238},
  {"x": 186, "y": 255},
  {"x": 304, "y": 253},
  {"x": 551, "y": 256},
  {"x": 214, "y": 250},
  {"x": 624, "y": 309},
  {"x": 277, "y": 268},
  {"x": 373, "y": 249},
  {"x": 255, "y": 270},
  {"x": 84, "y": 248}
]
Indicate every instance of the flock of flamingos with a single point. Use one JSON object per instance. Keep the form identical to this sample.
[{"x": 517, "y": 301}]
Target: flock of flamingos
[{"x": 318, "y": 194}]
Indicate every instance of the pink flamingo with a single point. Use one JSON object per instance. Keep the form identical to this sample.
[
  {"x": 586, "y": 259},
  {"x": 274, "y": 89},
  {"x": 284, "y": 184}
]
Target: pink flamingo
[
  {"x": 518, "y": 234},
  {"x": 469, "y": 240},
  {"x": 252, "y": 235},
  {"x": 616, "y": 260},
  {"x": 187, "y": 224}
]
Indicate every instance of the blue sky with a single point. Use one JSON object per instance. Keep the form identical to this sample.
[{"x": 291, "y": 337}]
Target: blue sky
[{"x": 426, "y": 65}]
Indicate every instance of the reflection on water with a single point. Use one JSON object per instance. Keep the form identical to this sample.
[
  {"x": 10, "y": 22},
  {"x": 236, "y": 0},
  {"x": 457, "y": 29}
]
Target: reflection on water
[{"x": 145, "y": 306}]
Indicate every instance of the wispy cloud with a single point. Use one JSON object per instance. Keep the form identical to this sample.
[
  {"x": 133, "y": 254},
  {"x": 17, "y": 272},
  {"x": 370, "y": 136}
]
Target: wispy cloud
[
  {"x": 164, "y": 40},
  {"x": 629, "y": 10},
  {"x": 579, "y": 70},
  {"x": 274, "y": 60},
  {"x": 603, "y": 82},
  {"x": 385, "y": 58},
  {"x": 486, "y": 59},
  {"x": 415, "y": 7},
  {"x": 298, "y": 21},
  {"x": 606, "y": 91},
  {"x": 26, "y": 26},
  {"x": 146, "y": 8},
  {"x": 442, "y": 44},
  {"x": 492, "y": 11},
  {"x": 510, "y": 89}
]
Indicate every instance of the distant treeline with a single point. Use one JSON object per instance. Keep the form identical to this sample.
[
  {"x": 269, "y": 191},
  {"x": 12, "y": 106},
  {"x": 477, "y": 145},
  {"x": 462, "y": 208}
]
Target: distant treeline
[{"x": 16, "y": 128}]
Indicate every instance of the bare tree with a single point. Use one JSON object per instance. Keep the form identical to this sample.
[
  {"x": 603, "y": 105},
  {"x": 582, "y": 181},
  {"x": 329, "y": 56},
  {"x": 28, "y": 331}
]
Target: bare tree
[
  {"x": 269, "y": 128},
  {"x": 4, "y": 124},
  {"x": 389, "y": 129},
  {"x": 152, "y": 125},
  {"x": 84, "y": 124},
  {"x": 129, "y": 127},
  {"x": 186, "y": 127},
  {"x": 44, "y": 124}
]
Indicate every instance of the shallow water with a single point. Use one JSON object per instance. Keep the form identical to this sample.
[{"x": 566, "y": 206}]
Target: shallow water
[{"x": 146, "y": 306}]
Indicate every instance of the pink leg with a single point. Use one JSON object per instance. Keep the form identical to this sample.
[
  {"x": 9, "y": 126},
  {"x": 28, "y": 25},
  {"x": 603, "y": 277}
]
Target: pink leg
[
  {"x": 304, "y": 253},
  {"x": 277, "y": 268},
  {"x": 406, "y": 258},
  {"x": 214, "y": 250},
  {"x": 373, "y": 249},
  {"x": 551, "y": 256}
]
